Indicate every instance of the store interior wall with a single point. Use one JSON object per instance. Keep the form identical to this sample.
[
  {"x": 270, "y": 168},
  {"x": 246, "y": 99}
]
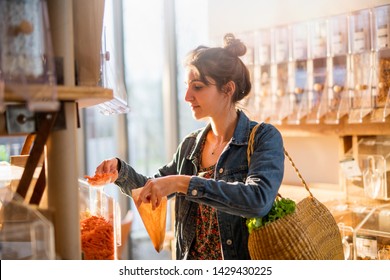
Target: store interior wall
[
  {"x": 317, "y": 157},
  {"x": 246, "y": 15}
]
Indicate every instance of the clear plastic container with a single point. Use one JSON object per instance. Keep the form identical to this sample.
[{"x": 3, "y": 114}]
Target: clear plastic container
[
  {"x": 26, "y": 57},
  {"x": 299, "y": 73},
  {"x": 348, "y": 216},
  {"x": 317, "y": 98},
  {"x": 100, "y": 223},
  {"x": 25, "y": 234},
  {"x": 338, "y": 101},
  {"x": 251, "y": 102},
  {"x": 111, "y": 70},
  {"x": 280, "y": 57},
  {"x": 369, "y": 170},
  {"x": 372, "y": 236},
  {"x": 263, "y": 39},
  {"x": 361, "y": 68},
  {"x": 381, "y": 68},
  {"x": 374, "y": 161}
]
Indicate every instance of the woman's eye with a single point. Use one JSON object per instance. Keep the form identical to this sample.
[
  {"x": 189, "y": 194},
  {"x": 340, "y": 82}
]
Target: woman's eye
[{"x": 197, "y": 87}]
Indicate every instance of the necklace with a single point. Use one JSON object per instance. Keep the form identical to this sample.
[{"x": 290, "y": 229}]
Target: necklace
[{"x": 216, "y": 147}]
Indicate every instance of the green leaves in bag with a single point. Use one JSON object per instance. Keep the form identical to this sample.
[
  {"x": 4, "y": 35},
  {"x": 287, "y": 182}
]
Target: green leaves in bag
[{"x": 280, "y": 208}]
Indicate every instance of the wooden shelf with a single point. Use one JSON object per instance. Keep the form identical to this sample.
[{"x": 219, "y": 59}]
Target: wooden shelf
[
  {"x": 343, "y": 128},
  {"x": 84, "y": 96}
]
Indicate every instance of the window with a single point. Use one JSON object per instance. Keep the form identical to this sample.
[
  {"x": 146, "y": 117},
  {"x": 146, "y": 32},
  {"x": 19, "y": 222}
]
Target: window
[
  {"x": 191, "y": 31},
  {"x": 145, "y": 46},
  {"x": 143, "y": 65}
]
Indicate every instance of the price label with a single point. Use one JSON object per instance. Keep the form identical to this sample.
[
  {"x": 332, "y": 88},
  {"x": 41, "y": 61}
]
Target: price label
[{"x": 366, "y": 247}]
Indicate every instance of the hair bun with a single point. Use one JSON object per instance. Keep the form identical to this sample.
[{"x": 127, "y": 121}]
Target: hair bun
[{"x": 233, "y": 46}]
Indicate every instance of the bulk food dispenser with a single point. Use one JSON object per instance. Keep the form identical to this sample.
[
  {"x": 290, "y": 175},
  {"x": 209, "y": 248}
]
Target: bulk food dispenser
[
  {"x": 372, "y": 236},
  {"x": 381, "y": 64},
  {"x": 338, "y": 64},
  {"x": 100, "y": 223},
  {"x": 361, "y": 66},
  {"x": 317, "y": 99},
  {"x": 27, "y": 65},
  {"x": 374, "y": 162},
  {"x": 348, "y": 216},
  {"x": 371, "y": 178},
  {"x": 263, "y": 65},
  {"x": 25, "y": 233},
  {"x": 298, "y": 74},
  {"x": 249, "y": 60},
  {"x": 280, "y": 56},
  {"x": 364, "y": 228},
  {"x": 363, "y": 224}
]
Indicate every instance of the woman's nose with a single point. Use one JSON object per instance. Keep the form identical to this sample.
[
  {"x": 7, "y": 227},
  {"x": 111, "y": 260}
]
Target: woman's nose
[{"x": 188, "y": 96}]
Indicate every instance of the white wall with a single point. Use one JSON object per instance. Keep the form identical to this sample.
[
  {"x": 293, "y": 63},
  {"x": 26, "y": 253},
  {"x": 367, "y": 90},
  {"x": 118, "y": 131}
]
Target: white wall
[
  {"x": 316, "y": 157},
  {"x": 245, "y": 15}
]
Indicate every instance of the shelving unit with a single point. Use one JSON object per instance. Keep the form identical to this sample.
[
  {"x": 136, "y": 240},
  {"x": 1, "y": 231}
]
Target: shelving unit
[
  {"x": 347, "y": 196},
  {"x": 84, "y": 96},
  {"x": 342, "y": 129},
  {"x": 61, "y": 164},
  {"x": 348, "y": 135}
]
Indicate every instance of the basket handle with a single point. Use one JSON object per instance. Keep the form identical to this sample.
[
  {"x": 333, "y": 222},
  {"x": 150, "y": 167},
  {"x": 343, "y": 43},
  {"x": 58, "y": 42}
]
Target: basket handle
[{"x": 251, "y": 149}]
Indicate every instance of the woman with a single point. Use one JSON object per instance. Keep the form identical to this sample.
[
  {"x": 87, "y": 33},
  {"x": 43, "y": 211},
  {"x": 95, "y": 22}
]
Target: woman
[{"x": 209, "y": 176}]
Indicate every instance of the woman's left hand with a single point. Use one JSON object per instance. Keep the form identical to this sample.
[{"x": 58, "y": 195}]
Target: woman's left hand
[{"x": 157, "y": 188}]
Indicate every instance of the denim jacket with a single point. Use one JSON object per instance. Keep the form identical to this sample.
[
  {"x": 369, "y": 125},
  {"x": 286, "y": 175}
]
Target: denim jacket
[{"x": 237, "y": 192}]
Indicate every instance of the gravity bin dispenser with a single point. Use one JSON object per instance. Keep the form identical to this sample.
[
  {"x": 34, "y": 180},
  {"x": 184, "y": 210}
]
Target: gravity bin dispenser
[
  {"x": 381, "y": 64},
  {"x": 317, "y": 95},
  {"x": 299, "y": 73},
  {"x": 27, "y": 65},
  {"x": 372, "y": 179},
  {"x": 361, "y": 69},
  {"x": 263, "y": 66},
  {"x": 338, "y": 65},
  {"x": 100, "y": 223},
  {"x": 280, "y": 57},
  {"x": 25, "y": 233}
]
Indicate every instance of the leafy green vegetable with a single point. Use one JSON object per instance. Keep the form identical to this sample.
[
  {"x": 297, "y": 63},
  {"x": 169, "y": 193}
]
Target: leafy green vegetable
[{"x": 280, "y": 208}]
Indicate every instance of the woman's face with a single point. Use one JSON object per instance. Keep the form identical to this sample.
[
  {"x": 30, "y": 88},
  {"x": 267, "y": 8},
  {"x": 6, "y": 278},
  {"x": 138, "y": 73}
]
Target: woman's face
[{"x": 204, "y": 100}]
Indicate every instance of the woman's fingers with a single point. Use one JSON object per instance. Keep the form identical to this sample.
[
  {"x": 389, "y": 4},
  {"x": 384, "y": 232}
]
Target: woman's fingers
[
  {"x": 107, "y": 166},
  {"x": 156, "y": 203},
  {"x": 150, "y": 194},
  {"x": 138, "y": 202}
]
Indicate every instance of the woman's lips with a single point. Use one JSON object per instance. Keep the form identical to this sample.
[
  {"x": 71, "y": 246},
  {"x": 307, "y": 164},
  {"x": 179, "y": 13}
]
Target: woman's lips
[{"x": 194, "y": 107}]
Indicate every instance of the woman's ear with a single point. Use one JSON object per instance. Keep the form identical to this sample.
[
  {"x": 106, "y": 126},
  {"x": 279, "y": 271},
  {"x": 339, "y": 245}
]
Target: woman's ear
[{"x": 229, "y": 88}]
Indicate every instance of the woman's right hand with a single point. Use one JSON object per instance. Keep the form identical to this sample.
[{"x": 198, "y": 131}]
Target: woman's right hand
[{"x": 108, "y": 166}]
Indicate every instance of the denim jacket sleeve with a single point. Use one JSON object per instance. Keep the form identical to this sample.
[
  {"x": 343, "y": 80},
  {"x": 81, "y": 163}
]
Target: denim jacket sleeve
[
  {"x": 247, "y": 195},
  {"x": 236, "y": 189},
  {"x": 129, "y": 178}
]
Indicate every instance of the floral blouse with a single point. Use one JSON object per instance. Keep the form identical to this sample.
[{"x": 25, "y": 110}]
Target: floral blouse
[{"x": 207, "y": 245}]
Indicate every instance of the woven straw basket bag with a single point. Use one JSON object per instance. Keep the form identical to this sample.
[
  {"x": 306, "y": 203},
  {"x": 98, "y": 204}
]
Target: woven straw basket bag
[{"x": 310, "y": 233}]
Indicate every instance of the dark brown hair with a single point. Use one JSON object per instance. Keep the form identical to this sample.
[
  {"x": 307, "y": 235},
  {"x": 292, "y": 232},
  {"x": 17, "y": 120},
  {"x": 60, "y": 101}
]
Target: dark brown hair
[{"x": 222, "y": 65}]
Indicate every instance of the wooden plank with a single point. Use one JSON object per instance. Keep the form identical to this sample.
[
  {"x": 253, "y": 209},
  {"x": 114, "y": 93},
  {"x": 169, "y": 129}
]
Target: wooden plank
[
  {"x": 35, "y": 154},
  {"x": 39, "y": 188},
  {"x": 342, "y": 129},
  {"x": 85, "y": 96}
]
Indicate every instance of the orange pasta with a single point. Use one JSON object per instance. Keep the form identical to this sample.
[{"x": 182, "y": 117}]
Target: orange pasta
[
  {"x": 97, "y": 239},
  {"x": 101, "y": 178}
]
